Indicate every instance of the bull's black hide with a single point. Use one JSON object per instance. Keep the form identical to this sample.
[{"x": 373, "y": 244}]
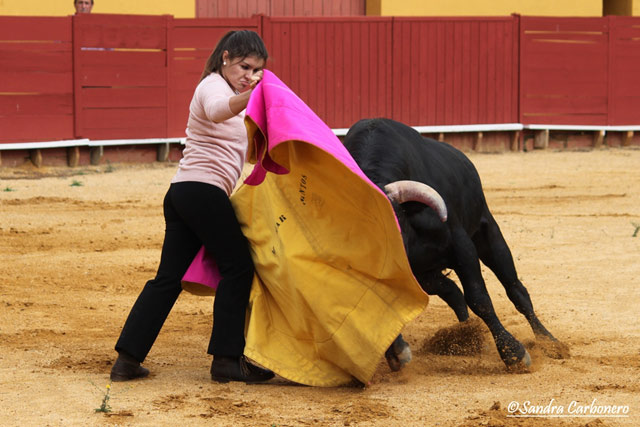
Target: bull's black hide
[{"x": 389, "y": 151}]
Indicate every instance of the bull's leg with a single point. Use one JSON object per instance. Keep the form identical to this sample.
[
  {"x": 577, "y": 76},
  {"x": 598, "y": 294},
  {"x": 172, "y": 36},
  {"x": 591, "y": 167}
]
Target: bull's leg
[
  {"x": 440, "y": 285},
  {"x": 399, "y": 353},
  {"x": 511, "y": 351},
  {"x": 495, "y": 254}
]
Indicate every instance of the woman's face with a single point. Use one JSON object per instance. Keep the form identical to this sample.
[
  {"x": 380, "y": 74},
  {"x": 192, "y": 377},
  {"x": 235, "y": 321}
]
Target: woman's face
[{"x": 239, "y": 71}]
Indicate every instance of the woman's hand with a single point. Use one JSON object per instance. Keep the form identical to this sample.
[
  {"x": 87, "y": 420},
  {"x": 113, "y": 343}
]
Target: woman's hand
[
  {"x": 239, "y": 102},
  {"x": 255, "y": 79}
]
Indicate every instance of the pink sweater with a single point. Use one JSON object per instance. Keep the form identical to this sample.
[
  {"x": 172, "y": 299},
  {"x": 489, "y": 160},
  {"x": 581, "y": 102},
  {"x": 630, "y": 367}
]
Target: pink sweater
[{"x": 216, "y": 144}]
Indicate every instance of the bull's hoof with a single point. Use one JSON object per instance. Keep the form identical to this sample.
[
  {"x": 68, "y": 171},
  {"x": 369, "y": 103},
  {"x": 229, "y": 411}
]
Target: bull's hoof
[
  {"x": 521, "y": 366},
  {"x": 398, "y": 354}
]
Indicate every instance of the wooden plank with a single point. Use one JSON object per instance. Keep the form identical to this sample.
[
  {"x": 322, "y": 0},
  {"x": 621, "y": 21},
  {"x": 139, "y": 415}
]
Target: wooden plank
[
  {"x": 35, "y": 28},
  {"x": 186, "y": 83},
  {"x": 137, "y": 132},
  {"x": 199, "y": 37},
  {"x": 579, "y": 60},
  {"x": 142, "y": 76},
  {"x": 58, "y": 104},
  {"x": 188, "y": 66},
  {"x": 431, "y": 81},
  {"x": 120, "y": 31},
  {"x": 44, "y": 46},
  {"x": 40, "y": 127},
  {"x": 484, "y": 77},
  {"x": 563, "y": 85},
  {"x": 105, "y": 118},
  {"x": 468, "y": 73},
  {"x": 35, "y": 61},
  {"x": 120, "y": 58},
  {"x": 34, "y": 82},
  {"x": 515, "y": 79},
  {"x": 566, "y": 104},
  {"x": 492, "y": 97},
  {"x": 530, "y": 25},
  {"x": 127, "y": 97},
  {"x": 458, "y": 73}
]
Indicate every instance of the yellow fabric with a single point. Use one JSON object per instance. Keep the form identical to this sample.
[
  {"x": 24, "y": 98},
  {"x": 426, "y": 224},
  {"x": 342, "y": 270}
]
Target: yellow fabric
[{"x": 333, "y": 286}]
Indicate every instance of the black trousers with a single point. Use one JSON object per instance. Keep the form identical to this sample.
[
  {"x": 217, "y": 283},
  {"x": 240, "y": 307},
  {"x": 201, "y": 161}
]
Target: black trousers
[{"x": 195, "y": 214}]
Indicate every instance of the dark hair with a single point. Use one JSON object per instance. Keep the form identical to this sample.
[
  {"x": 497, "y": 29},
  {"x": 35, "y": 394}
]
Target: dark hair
[{"x": 239, "y": 44}]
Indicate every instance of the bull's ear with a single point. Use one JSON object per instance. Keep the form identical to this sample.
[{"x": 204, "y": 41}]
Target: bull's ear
[{"x": 414, "y": 191}]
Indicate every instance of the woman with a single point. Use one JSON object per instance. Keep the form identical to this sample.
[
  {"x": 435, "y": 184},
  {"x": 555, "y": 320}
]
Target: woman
[{"x": 198, "y": 212}]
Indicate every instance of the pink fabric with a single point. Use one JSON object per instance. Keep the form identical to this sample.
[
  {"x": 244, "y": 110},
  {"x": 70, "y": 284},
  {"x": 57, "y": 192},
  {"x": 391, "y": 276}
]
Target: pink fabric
[
  {"x": 203, "y": 271},
  {"x": 281, "y": 116}
]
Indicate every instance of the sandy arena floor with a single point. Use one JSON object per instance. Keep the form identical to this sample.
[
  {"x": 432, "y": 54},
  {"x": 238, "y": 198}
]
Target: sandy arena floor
[{"x": 78, "y": 244}]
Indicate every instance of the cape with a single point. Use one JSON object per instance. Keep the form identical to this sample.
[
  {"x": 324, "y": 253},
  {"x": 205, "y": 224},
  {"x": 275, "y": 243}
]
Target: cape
[{"x": 333, "y": 285}]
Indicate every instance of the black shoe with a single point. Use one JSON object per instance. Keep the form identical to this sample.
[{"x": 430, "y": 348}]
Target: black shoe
[
  {"x": 127, "y": 368},
  {"x": 225, "y": 369}
]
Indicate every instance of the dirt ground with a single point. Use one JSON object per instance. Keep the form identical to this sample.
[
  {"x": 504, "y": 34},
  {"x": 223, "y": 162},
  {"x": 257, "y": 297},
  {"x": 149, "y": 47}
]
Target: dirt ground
[{"x": 78, "y": 244}]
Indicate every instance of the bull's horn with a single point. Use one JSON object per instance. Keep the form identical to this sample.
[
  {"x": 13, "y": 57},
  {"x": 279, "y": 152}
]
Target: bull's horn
[{"x": 414, "y": 191}]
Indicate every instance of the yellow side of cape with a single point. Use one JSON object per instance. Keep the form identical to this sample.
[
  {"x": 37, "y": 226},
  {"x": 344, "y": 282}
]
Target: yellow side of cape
[{"x": 333, "y": 284}]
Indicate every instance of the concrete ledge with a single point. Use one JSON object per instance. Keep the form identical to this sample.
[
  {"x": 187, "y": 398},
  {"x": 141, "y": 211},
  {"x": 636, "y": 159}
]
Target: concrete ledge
[
  {"x": 44, "y": 144},
  {"x": 584, "y": 127},
  {"x": 478, "y": 142},
  {"x": 454, "y": 128},
  {"x": 114, "y": 142}
]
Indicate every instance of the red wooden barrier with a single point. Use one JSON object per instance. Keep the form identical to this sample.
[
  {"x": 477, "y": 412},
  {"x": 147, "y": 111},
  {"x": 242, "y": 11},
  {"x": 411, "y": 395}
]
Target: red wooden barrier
[
  {"x": 120, "y": 66},
  {"x": 341, "y": 67},
  {"x": 191, "y": 41},
  {"x": 133, "y": 76},
  {"x": 36, "y": 79},
  {"x": 624, "y": 71},
  {"x": 564, "y": 71},
  {"x": 449, "y": 71}
]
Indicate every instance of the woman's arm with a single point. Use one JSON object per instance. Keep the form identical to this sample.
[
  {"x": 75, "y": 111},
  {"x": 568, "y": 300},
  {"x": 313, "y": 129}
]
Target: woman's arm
[
  {"x": 219, "y": 108},
  {"x": 239, "y": 102}
]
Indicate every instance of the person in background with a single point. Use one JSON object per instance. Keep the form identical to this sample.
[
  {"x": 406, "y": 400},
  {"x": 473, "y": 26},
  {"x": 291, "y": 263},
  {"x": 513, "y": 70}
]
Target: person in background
[
  {"x": 83, "y": 6},
  {"x": 198, "y": 211}
]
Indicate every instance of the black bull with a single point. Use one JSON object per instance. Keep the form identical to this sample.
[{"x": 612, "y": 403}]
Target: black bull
[{"x": 454, "y": 236}]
